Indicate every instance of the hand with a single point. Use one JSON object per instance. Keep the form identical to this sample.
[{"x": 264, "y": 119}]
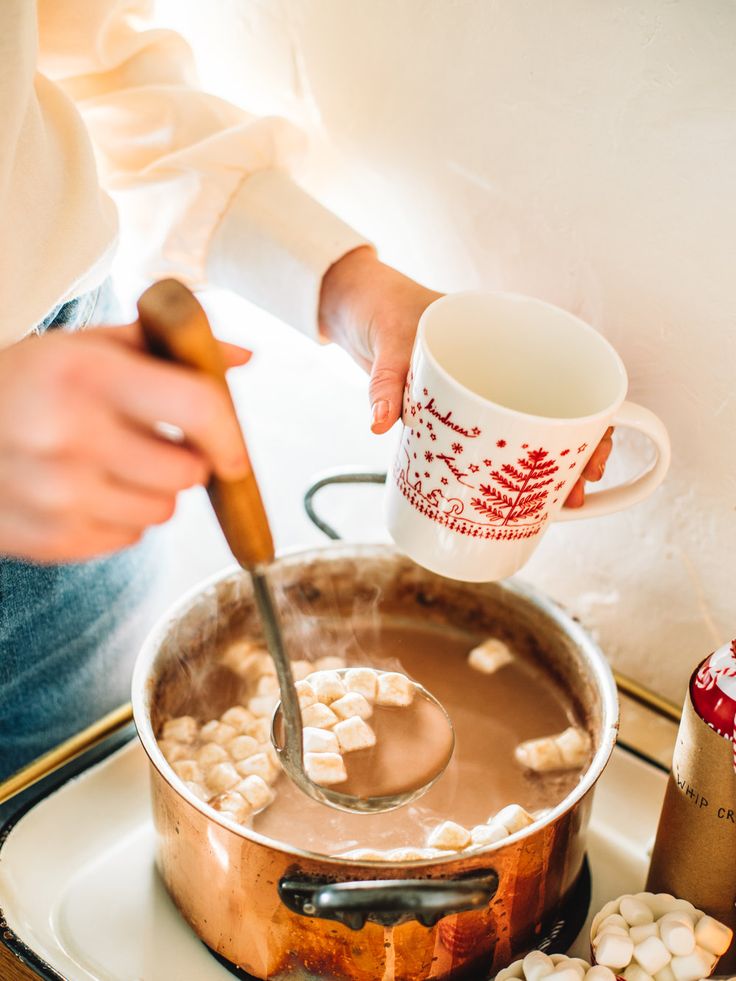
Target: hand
[
  {"x": 372, "y": 311},
  {"x": 82, "y": 470}
]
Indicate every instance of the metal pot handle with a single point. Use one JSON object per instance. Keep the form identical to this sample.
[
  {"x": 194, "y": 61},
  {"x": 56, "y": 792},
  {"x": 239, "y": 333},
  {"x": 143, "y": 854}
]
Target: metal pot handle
[
  {"x": 339, "y": 476},
  {"x": 387, "y": 901}
]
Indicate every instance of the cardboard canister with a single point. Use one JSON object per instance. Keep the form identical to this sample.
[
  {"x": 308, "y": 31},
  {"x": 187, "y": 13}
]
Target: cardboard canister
[{"x": 694, "y": 854}]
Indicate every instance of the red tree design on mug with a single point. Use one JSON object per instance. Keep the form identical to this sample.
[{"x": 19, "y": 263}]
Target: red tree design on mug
[{"x": 524, "y": 489}]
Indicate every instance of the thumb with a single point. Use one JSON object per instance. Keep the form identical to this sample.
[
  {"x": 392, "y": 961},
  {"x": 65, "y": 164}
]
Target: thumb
[{"x": 386, "y": 388}]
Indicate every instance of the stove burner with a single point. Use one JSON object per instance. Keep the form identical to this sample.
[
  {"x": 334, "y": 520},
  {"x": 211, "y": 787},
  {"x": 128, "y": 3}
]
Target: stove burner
[{"x": 557, "y": 935}]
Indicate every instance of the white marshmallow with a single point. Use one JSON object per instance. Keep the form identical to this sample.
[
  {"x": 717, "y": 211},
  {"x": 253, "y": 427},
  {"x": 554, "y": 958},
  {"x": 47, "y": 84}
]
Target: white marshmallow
[
  {"x": 262, "y": 706},
  {"x": 306, "y": 694},
  {"x": 354, "y": 734},
  {"x": 665, "y": 974},
  {"x": 268, "y": 684},
  {"x": 606, "y": 910},
  {"x": 660, "y": 903},
  {"x": 394, "y": 689},
  {"x": 579, "y": 965},
  {"x": 563, "y": 973},
  {"x": 256, "y": 791},
  {"x": 318, "y": 715},
  {"x": 174, "y": 750},
  {"x": 642, "y": 932},
  {"x": 211, "y": 753},
  {"x": 364, "y": 681},
  {"x": 221, "y": 777},
  {"x": 407, "y": 854},
  {"x": 197, "y": 789},
  {"x": 238, "y": 717},
  {"x": 540, "y": 755},
  {"x": 635, "y": 973},
  {"x": 364, "y": 855},
  {"x": 232, "y": 803},
  {"x": 488, "y": 834},
  {"x": 325, "y": 768},
  {"x": 652, "y": 955},
  {"x": 217, "y": 732},
  {"x": 513, "y": 817},
  {"x": 188, "y": 770},
  {"x": 327, "y": 686},
  {"x": 600, "y": 973},
  {"x": 258, "y": 765},
  {"x": 511, "y": 973},
  {"x": 490, "y": 656},
  {"x": 248, "y": 660},
  {"x": 634, "y": 911},
  {"x": 450, "y": 836},
  {"x": 319, "y": 741},
  {"x": 184, "y": 729},
  {"x": 613, "y": 919},
  {"x": 713, "y": 936},
  {"x": 300, "y": 670},
  {"x": 678, "y": 936},
  {"x": 686, "y": 907},
  {"x": 242, "y": 747},
  {"x": 260, "y": 730},
  {"x": 352, "y": 704},
  {"x": 573, "y": 745},
  {"x": 537, "y": 965},
  {"x": 612, "y": 950},
  {"x": 622, "y": 931},
  {"x": 693, "y": 967},
  {"x": 331, "y": 662}
]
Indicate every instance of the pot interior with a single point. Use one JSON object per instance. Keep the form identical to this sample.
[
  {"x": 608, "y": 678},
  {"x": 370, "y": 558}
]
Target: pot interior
[{"x": 372, "y": 606}]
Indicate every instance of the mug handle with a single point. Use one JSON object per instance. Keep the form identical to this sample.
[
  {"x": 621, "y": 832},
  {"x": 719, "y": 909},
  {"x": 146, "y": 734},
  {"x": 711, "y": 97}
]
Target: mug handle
[{"x": 632, "y": 491}]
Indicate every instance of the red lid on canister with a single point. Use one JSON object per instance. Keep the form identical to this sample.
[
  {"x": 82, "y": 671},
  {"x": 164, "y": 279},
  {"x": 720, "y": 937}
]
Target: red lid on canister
[{"x": 713, "y": 691}]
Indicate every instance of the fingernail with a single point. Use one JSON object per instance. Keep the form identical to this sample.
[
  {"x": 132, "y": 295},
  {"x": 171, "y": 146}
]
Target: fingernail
[{"x": 380, "y": 412}]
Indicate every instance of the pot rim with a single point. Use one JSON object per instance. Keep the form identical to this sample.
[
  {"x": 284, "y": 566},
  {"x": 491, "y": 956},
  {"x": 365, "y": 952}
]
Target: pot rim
[{"x": 142, "y": 691}]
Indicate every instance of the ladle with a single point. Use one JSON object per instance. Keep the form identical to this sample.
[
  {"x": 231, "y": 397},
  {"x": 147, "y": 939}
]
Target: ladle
[{"x": 176, "y": 329}]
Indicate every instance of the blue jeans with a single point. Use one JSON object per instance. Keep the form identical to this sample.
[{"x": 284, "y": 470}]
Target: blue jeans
[{"x": 69, "y": 633}]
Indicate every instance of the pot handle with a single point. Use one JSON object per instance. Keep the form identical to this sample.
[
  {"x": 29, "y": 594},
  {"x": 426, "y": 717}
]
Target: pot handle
[
  {"x": 338, "y": 476},
  {"x": 387, "y": 901}
]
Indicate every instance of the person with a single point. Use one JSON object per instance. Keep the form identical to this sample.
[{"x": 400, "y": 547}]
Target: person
[{"x": 106, "y": 138}]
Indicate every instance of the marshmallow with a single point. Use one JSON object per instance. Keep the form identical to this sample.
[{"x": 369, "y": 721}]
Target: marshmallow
[
  {"x": 197, "y": 789},
  {"x": 579, "y": 965},
  {"x": 319, "y": 741},
  {"x": 352, "y": 704},
  {"x": 513, "y": 818},
  {"x": 563, "y": 973},
  {"x": 262, "y": 706},
  {"x": 406, "y": 854},
  {"x": 211, "y": 753},
  {"x": 600, "y": 973},
  {"x": 258, "y": 765},
  {"x": 256, "y": 791},
  {"x": 511, "y": 973},
  {"x": 573, "y": 744},
  {"x": 450, "y": 836},
  {"x": 713, "y": 936},
  {"x": 488, "y": 834},
  {"x": 634, "y": 911},
  {"x": 238, "y": 717},
  {"x": 188, "y": 770},
  {"x": 260, "y": 730},
  {"x": 318, "y": 715},
  {"x": 305, "y": 693},
  {"x": 565, "y": 750},
  {"x": 693, "y": 967},
  {"x": 233, "y": 803},
  {"x": 354, "y": 734},
  {"x": 248, "y": 660},
  {"x": 242, "y": 747},
  {"x": 217, "y": 732},
  {"x": 329, "y": 663},
  {"x": 327, "y": 686},
  {"x": 221, "y": 777},
  {"x": 613, "y": 919},
  {"x": 635, "y": 973},
  {"x": 640, "y": 933},
  {"x": 612, "y": 950},
  {"x": 677, "y": 933},
  {"x": 394, "y": 689},
  {"x": 364, "y": 855},
  {"x": 183, "y": 730},
  {"x": 174, "y": 750},
  {"x": 665, "y": 974},
  {"x": 652, "y": 955},
  {"x": 660, "y": 903},
  {"x": 490, "y": 656},
  {"x": 300, "y": 669},
  {"x": 537, "y": 965},
  {"x": 363, "y": 681},
  {"x": 268, "y": 684},
  {"x": 325, "y": 768}
]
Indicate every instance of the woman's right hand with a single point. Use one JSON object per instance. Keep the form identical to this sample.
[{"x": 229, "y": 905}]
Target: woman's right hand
[{"x": 82, "y": 469}]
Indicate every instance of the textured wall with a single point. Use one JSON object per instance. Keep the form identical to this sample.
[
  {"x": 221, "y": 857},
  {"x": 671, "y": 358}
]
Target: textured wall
[{"x": 580, "y": 152}]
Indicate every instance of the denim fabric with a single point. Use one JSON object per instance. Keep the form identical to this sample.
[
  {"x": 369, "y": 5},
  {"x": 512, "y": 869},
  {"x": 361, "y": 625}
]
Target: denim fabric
[{"x": 69, "y": 633}]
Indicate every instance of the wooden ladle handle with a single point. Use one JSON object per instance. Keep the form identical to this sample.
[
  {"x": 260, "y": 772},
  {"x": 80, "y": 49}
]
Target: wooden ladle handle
[{"x": 176, "y": 329}]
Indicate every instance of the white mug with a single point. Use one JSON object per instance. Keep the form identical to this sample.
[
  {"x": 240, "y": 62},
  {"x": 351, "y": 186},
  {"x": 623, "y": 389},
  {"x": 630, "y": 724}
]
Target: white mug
[{"x": 506, "y": 399}]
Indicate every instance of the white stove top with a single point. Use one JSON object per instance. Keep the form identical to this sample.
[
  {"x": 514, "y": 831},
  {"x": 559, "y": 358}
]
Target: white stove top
[{"x": 78, "y": 884}]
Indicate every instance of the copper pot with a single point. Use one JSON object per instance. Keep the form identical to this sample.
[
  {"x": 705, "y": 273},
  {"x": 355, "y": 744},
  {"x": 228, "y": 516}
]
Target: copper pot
[{"x": 279, "y": 912}]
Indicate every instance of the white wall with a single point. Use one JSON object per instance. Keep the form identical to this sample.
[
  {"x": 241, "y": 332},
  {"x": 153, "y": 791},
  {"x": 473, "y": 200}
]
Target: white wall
[{"x": 579, "y": 151}]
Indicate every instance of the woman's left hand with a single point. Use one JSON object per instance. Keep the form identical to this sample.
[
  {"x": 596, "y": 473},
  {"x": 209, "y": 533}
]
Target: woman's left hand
[{"x": 372, "y": 311}]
